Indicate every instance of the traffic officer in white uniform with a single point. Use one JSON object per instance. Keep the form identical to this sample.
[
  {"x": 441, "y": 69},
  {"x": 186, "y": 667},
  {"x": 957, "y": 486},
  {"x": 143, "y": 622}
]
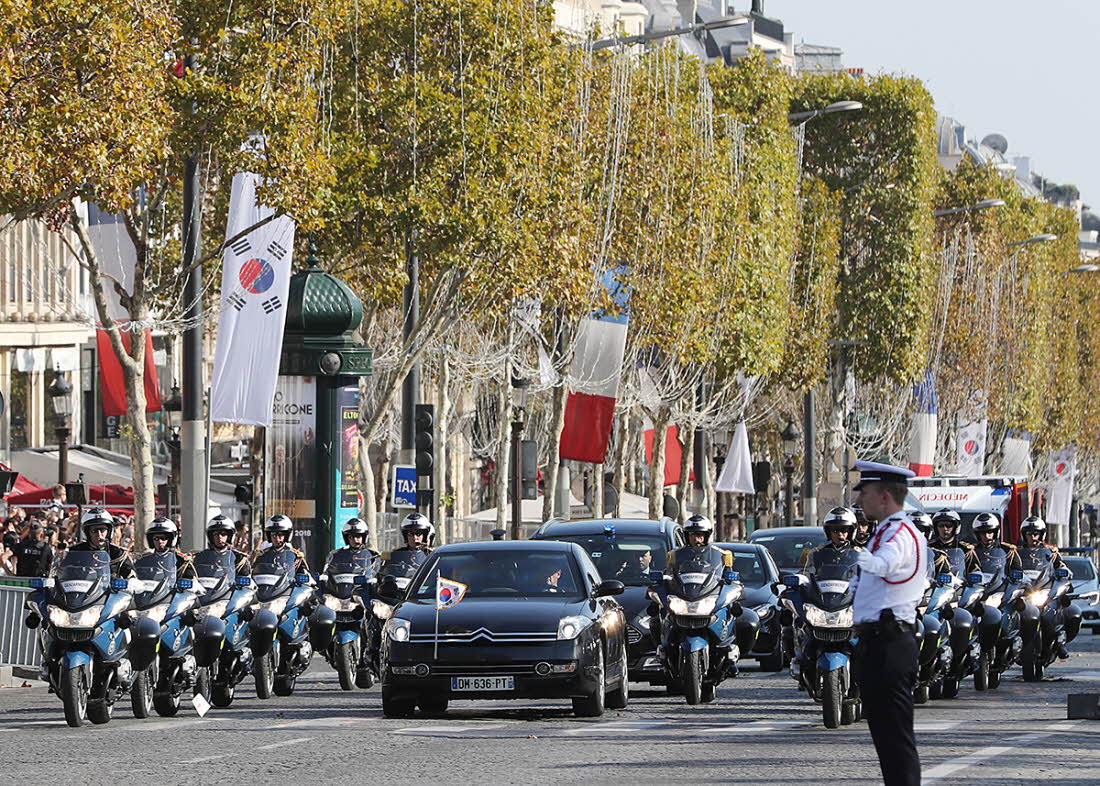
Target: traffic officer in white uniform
[{"x": 890, "y": 585}]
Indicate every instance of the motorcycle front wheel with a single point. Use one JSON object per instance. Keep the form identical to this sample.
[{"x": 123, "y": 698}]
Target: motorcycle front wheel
[
  {"x": 981, "y": 674},
  {"x": 345, "y": 661},
  {"x": 693, "y": 677},
  {"x": 1032, "y": 658},
  {"x": 832, "y": 699},
  {"x": 264, "y": 670},
  {"x": 203, "y": 683},
  {"x": 141, "y": 694},
  {"x": 74, "y": 695},
  {"x": 920, "y": 694}
]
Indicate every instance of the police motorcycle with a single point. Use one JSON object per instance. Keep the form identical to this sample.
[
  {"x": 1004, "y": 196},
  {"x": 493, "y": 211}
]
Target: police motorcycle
[
  {"x": 84, "y": 631},
  {"x": 390, "y": 584},
  {"x": 336, "y": 626},
  {"x": 703, "y": 627},
  {"x": 961, "y": 642},
  {"x": 823, "y": 621},
  {"x": 994, "y": 595},
  {"x": 933, "y": 632},
  {"x": 221, "y": 626},
  {"x": 161, "y": 649},
  {"x": 1049, "y": 590},
  {"x": 278, "y": 631}
]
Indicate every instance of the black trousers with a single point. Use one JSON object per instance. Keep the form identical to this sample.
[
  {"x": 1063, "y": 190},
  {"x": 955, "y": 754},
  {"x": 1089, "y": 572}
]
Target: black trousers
[{"x": 886, "y": 666}]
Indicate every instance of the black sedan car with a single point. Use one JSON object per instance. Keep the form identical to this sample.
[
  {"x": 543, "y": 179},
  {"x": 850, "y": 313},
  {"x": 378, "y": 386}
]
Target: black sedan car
[
  {"x": 1087, "y": 588},
  {"x": 763, "y": 583},
  {"x": 789, "y": 545},
  {"x": 534, "y": 620},
  {"x": 627, "y": 550}
]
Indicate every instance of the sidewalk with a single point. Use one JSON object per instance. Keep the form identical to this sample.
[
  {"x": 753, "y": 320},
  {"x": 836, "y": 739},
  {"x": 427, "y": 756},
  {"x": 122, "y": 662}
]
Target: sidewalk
[{"x": 20, "y": 677}]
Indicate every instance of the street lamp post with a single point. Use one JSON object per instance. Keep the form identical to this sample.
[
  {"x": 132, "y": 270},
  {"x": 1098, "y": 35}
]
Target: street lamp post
[
  {"x": 831, "y": 109},
  {"x": 174, "y": 409},
  {"x": 61, "y": 395},
  {"x": 519, "y": 416},
  {"x": 985, "y": 204},
  {"x": 790, "y": 437},
  {"x": 1046, "y": 237},
  {"x": 702, "y": 27}
]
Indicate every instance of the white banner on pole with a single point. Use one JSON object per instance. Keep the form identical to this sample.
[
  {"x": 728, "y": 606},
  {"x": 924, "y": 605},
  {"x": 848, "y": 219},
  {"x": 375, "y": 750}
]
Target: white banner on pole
[
  {"x": 1062, "y": 465},
  {"x": 970, "y": 447},
  {"x": 255, "y": 283},
  {"x": 736, "y": 474}
]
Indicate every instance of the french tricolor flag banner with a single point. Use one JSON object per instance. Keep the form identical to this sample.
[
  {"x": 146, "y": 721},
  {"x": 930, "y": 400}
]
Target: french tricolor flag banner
[
  {"x": 922, "y": 449},
  {"x": 596, "y": 373}
]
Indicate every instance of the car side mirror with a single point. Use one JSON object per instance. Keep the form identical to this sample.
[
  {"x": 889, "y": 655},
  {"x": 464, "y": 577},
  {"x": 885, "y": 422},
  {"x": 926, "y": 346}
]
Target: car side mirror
[
  {"x": 777, "y": 587},
  {"x": 609, "y": 587}
]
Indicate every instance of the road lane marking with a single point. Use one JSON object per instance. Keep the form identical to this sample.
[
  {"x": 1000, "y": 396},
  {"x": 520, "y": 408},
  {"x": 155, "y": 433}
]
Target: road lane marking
[
  {"x": 413, "y": 730},
  {"x": 935, "y": 725},
  {"x": 284, "y": 743},
  {"x": 164, "y": 724},
  {"x": 952, "y": 766}
]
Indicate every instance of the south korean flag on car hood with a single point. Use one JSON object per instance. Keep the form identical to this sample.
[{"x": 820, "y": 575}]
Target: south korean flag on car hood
[{"x": 448, "y": 593}]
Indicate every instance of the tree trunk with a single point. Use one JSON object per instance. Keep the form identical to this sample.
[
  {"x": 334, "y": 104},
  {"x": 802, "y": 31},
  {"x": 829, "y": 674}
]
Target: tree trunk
[
  {"x": 710, "y": 498},
  {"x": 366, "y": 488},
  {"x": 687, "y": 449},
  {"x": 619, "y": 462},
  {"x": 553, "y": 452},
  {"x": 140, "y": 442},
  {"x": 657, "y": 464},
  {"x": 597, "y": 491}
]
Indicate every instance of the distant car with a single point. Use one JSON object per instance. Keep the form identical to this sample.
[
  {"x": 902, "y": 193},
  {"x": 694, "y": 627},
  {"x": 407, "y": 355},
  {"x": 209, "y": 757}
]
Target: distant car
[
  {"x": 789, "y": 545},
  {"x": 627, "y": 550},
  {"x": 761, "y": 579},
  {"x": 535, "y": 621},
  {"x": 1087, "y": 589}
]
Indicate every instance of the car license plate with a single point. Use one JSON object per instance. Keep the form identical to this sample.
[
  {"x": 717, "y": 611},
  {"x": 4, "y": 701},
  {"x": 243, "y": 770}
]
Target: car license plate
[{"x": 483, "y": 683}]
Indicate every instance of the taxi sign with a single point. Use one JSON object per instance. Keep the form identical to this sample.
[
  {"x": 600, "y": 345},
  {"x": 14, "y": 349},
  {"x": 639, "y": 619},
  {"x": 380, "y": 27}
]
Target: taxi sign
[{"x": 404, "y": 486}]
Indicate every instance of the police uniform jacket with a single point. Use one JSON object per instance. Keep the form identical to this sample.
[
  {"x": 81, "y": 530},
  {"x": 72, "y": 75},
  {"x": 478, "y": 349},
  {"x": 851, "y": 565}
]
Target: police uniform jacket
[
  {"x": 122, "y": 564},
  {"x": 970, "y": 559},
  {"x": 1012, "y": 556},
  {"x": 300, "y": 564},
  {"x": 892, "y": 571}
]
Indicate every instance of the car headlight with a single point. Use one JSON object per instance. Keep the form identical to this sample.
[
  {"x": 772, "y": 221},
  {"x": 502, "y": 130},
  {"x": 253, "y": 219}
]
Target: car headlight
[
  {"x": 1039, "y": 597},
  {"x": 764, "y": 610},
  {"x": 398, "y": 629},
  {"x": 820, "y": 618},
  {"x": 276, "y": 607},
  {"x": 692, "y": 608},
  {"x": 155, "y": 613},
  {"x": 86, "y": 618},
  {"x": 571, "y": 627},
  {"x": 340, "y": 604},
  {"x": 994, "y": 600},
  {"x": 381, "y": 610},
  {"x": 215, "y": 609}
]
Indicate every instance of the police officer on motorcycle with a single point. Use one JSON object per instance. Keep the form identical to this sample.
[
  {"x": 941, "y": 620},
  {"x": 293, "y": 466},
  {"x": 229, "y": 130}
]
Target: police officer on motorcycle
[
  {"x": 97, "y": 525},
  {"x": 161, "y": 538},
  {"x": 864, "y": 527},
  {"x": 278, "y": 530},
  {"x": 987, "y": 529},
  {"x": 839, "y": 525},
  {"x": 945, "y": 535},
  {"x": 418, "y": 533},
  {"x": 938, "y": 563},
  {"x": 355, "y": 534},
  {"x": 219, "y": 537},
  {"x": 1033, "y": 532},
  {"x": 698, "y": 531}
]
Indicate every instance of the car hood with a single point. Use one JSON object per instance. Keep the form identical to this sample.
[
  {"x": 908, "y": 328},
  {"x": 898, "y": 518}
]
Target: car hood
[
  {"x": 754, "y": 596},
  {"x": 500, "y": 615}
]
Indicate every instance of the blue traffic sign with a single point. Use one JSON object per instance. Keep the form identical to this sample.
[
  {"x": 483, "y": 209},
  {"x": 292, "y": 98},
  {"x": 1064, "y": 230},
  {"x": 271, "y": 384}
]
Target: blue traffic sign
[{"x": 404, "y": 486}]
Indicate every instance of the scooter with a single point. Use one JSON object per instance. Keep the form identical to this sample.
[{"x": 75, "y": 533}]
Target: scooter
[
  {"x": 160, "y": 653},
  {"x": 703, "y": 627},
  {"x": 821, "y": 610},
  {"x": 1050, "y": 591},
  {"x": 84, "y": 632},
  {"x": 278, "y": 631},
  {"x": 221, "y": 626},
  {"x": 337, "y": 625}
]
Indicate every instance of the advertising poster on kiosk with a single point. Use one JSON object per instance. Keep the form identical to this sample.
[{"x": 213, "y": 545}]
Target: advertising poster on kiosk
[
  {"x": 292, "y": 456},
  {"x": 347, "y": 502}
]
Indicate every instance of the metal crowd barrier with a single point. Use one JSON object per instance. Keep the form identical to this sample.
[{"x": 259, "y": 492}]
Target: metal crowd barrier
[{"x": 18, "y": 643}]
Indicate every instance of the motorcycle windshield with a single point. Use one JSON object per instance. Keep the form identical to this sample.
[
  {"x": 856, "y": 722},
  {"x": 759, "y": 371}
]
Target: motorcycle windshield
[
  {"x": 1036, "y": 564},
  {"x": 81, "y": 578},
  {"x": 957, "y": 559},
  {"x": 402, "y": 566},
  {"x": 695, "y": 571},
  {"x": 342, "y": 568},
  {"x": 217, "y": 573},
  {"x": 991, "y": 563},
  {"x": 273, "y": 574},
  {"x": 154, "y": 578},
  {"x": 832, "y": 580}
]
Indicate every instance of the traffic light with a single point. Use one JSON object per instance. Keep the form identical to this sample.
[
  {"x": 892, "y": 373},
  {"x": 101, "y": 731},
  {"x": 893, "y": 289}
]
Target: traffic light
[{"x": 424, "y": 421}]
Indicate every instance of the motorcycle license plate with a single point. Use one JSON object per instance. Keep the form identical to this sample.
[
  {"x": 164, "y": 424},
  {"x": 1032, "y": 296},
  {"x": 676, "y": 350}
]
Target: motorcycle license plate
[{"x": 483, "y": 683}]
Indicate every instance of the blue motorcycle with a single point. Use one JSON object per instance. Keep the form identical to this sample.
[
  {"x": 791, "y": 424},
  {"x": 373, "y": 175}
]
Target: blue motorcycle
[
  {"x": 703, "y": 627},
  {"x": 84, "y": 633},
  {"x": 994, "y": 595},
  {"x": 823, "y": 620},
  {"x": 278, "y": 631},
  {"x": 222, "y": 653},
  {"x": 336, "y": 627},
  {"x": 160, "y": 652}
]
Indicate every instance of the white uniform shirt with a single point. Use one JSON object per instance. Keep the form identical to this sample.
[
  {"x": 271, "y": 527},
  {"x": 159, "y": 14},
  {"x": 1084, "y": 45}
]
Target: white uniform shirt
[{"x": 892, "y": 571}]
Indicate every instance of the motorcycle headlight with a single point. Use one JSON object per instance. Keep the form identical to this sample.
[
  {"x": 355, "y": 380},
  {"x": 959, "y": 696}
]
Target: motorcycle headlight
[
  {"x": 381, "y": 610},
  {"x": 276, "y": 607},
  {"x": 215, "y": 609},
  {"x": 86, "y": 618},
  {"x": 339, "y": 604},
  {"x": 155, "y": 613},
  {"x": 764, "y": 610},
  {"x": 994, "y": 600},
  {"x": 398, "y": 630},
  {"x": 820, "y": 618},
  {"x": 1039, "y": 597},
  {"x": 571, "y": 627},
  {"x": 692, "y": 608}
]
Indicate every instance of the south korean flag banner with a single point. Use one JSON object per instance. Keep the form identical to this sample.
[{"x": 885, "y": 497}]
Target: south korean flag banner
[
  {"x": 448, "y": 593},
  {"x": 255, "y": 283}
]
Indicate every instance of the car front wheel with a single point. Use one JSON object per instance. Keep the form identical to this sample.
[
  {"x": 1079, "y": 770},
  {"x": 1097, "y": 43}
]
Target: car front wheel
[{"x": 592, "y": 706}]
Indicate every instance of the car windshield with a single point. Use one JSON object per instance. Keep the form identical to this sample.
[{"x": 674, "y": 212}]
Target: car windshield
[
  {"x": 506, "y": 573},
  {"x": 628, "y": 558},
  {"x": 750, "y": 569},
  {"x": 789, "y": 550},
  {"x": 1081, "y": 567}
]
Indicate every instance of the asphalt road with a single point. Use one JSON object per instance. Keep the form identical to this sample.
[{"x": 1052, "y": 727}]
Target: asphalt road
[{"x": 761, "y": 730}]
